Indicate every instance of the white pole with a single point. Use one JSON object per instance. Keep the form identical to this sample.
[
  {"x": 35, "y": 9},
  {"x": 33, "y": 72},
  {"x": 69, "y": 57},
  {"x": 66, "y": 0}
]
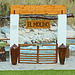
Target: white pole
[
  {"x": 14, "y": 24},
  {"x": 62, "y": 25}
]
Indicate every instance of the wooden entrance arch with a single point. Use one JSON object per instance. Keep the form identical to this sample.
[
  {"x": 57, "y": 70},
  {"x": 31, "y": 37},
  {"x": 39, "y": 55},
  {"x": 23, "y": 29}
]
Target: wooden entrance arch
[{"x": 59, "y": 10}]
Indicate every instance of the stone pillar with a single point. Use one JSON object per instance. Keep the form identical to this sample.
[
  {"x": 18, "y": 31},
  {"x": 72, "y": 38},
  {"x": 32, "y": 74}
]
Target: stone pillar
[{"x": 14, "y": 24}]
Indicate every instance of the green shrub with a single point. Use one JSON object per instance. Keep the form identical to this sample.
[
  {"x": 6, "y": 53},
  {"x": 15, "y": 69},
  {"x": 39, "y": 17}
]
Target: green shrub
[{"x": 3, "y": 44}]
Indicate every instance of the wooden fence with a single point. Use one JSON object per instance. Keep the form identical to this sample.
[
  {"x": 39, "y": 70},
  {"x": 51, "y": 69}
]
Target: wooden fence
[
  {"x": 72, "y": 52},
  {"x": 37, "y": 56},
  {"x": 71, "y": 43}
]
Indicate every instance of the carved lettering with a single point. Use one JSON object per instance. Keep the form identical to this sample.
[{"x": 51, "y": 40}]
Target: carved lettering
[{"x": 37, "y": 24}]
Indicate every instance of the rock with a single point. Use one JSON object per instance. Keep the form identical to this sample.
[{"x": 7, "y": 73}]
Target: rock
[
  {"x": 7, "y": 35},
  {"x": 53, "y": 28},
  {"x": 37, "y": 41},
  {"x": 47, "y": 29},
  {"x": 0, "y": 30},
  {"x": 32, "y": 41},
  {"x": 8, "y": 41},
  {"x": 37, "y": 36},
  {"x": 40, "y": 33},
  {"x": 2, "y": 36},
  {"x": 36, "y": 31},
  {"x": 29, "y": 36},
  {"x": 31, "y": 30},
  {"x": 27, "y": 30},
  {"x": 70, "y": 33},
  {"x": 20, "y": 32},
  {"x": 5, "y": 30},
  {"x": 28, "y": 42},
  {"x": 69, "y": 28},
  {"x": 21, "y": 39},
  {"x": 73, "y": 26},
  {"x": 46, "y": 39}
]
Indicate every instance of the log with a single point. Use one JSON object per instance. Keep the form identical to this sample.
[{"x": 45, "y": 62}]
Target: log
[{"x": 39, "y": 16}]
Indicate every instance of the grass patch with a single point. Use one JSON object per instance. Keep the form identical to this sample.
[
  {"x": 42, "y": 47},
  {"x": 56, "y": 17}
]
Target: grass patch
[{"x": 38, "y": 72}]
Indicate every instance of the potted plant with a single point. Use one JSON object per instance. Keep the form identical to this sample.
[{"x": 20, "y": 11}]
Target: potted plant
[{"x": 67, "y": 50}]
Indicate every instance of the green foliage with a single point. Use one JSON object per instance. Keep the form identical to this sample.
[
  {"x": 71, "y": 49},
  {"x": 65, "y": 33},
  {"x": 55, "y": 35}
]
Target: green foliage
[
  {"x": 67, "y": 43},
  {"x": 4, "y": 8},
  {"x": 35, "y": 2},
  {"x": 39, "y": 41},
  {"x": 4, "y": 12},
  {"x": 27, "y": 2},
  {"x": 3, "y": 44}
]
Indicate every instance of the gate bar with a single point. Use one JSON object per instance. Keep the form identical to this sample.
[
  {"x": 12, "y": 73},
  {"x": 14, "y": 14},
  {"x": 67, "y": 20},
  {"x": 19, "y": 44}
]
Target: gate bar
[{"x": 37, "y": 54}]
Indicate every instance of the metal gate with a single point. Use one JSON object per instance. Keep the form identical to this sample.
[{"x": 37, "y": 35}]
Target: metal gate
[{"x": 32, "y": 54}]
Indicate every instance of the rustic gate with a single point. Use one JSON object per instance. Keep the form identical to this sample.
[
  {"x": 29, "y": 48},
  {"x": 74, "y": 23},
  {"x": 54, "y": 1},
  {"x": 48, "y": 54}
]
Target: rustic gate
[{"x": 37, "y": 55}]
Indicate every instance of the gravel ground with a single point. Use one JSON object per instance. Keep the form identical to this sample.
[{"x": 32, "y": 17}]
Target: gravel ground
[{"x": 70, "y": 64}]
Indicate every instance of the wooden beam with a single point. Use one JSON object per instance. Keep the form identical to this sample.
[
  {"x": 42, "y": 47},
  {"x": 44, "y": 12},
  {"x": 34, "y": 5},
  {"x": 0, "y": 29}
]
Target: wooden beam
[
  {"x": 4, "y": 39},
  {"x": 27, "y": 49},
  {"x": 47, "y": 49},
  {"x": 70, "y": 38},
  {"x": 70, "y": 15},
  {"x": 38, "y": 9}
]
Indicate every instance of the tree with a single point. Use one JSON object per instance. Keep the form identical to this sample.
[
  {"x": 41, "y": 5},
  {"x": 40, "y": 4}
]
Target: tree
[{"x": 71, "y": 1}]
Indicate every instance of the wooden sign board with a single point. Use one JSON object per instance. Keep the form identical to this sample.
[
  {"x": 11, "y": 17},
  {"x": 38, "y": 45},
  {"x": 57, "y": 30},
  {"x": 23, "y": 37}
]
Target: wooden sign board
[
  {"x": 38, "y": 24},
  {"x": 38, "y": 9}
]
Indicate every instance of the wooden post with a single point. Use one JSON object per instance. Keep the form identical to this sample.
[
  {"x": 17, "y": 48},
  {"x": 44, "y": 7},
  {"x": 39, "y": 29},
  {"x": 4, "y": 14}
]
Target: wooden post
[
  {"x": 67, "y": 52},
  {"x": 14, "y": 11},
  {"x": 61, "y": 11},
  {"x": 56, "y": 51},
  {"x": 37, "y": 54},
  {"x": 62, "y": 25},
  {"x": 19, "y": 54}
]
